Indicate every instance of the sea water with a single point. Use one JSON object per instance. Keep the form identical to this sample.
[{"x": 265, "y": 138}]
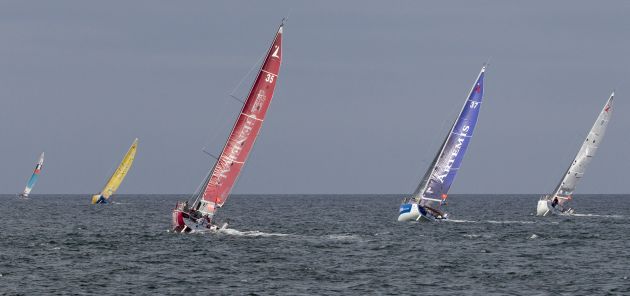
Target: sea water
[{"x": 314, "y": 244}]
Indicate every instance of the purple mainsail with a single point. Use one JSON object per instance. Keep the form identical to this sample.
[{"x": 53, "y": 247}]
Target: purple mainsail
[{"x": 438, "y": 179}]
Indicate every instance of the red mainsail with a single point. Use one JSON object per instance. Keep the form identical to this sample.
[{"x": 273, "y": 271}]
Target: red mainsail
[{"x": 245, "y": 130}]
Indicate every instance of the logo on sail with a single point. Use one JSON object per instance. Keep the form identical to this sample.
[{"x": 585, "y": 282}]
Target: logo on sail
[
  {"x": 275, "y": 52},
  {"x": 258, "y": 103},
  {"x": 453, "y": 155},
  {"x": 233, "y": 150}
]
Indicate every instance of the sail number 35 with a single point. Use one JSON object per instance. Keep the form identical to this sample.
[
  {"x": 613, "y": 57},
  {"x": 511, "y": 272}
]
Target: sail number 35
[{"x": 269, "y": 78}]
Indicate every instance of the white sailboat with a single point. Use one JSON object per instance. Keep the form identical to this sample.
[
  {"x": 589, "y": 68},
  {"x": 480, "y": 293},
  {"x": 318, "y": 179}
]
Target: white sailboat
[{"x": 556, "y": 203}]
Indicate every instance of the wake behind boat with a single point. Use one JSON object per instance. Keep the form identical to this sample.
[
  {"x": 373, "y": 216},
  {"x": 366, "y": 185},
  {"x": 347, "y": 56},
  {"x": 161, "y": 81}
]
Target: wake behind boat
[
  {"x": 431, "y": 194},
  {"x": 34, "y": 177},
  {"x": 557, "y": 202},
  {"x": 117, "y": 177},
  {"x": 221, "y": 178}
]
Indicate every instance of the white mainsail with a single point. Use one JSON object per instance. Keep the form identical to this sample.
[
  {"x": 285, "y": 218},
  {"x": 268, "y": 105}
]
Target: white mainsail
[{"x": 575, "y": 172}]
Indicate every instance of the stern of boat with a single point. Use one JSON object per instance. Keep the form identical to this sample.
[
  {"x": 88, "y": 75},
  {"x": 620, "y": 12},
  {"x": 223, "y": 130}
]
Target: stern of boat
[
  {"x": 544, "y": 207},
  {"x": 177, "y": 222}
]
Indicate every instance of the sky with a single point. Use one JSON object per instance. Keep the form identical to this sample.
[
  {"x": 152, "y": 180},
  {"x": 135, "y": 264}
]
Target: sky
[{"x": 367, "y": 91}]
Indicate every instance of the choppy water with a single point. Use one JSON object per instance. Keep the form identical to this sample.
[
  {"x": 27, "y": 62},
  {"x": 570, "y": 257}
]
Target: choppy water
[{"x": 304, "y": 245}]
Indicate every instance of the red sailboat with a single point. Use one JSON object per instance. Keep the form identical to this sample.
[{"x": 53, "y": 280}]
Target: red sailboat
[{"x": 221, "y": 178}]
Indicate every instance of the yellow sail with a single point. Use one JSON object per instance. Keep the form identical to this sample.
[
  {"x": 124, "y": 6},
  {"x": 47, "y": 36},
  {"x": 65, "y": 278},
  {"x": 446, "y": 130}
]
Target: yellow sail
[{"x": 114, "y": 181}]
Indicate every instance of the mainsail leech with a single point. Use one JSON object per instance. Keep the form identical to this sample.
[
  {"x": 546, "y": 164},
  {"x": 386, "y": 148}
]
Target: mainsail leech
[
  {"x": 33, "y": 179},
  {"x": 437, "y": 181},
  {"x": 230, "y": 162}
]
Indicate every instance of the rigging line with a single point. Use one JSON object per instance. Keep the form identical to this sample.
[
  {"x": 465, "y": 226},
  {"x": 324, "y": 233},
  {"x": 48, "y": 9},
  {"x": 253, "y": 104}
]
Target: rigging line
[
  {"x": 211, "y": 155},
  {"x": 430, "y": 151},
  {"x": 227, "y": 119},
  {"x": 197, "y": 191},
  {"x": 249, "y": 73},
  {"x": 220, "y": 124},
  {"x": 238, "y": 99},
  {"x": 286, "y": 18}
]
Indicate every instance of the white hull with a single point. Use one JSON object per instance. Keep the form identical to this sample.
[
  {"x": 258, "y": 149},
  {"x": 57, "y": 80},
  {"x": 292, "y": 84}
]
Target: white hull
[
  {"x": 203, "y": 227},
  {"x": 414, "y": 214},
  {"x": 544, "y": 208},
  {"x": 411, "y": 215}
]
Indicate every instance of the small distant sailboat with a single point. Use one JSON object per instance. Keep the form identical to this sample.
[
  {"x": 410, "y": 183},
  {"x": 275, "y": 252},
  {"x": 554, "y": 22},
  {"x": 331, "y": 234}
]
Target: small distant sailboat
[
  {"x": 221, "y": 178},
  {"x": 431, "y": 193},
  {"x": 556, "y": 203},
  {"x": 119, "y": 175},
  {"x": 33, "y": 179}
]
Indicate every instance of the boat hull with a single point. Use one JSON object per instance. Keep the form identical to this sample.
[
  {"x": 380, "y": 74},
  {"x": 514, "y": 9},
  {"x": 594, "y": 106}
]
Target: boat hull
[
  {"x": 413, "y": 212},
  {"x": 177, "y": 223},
  {"x": 182, "y": 222},
  {"x": 544, "y": 208},
  {"x": 98, "y": 199}
]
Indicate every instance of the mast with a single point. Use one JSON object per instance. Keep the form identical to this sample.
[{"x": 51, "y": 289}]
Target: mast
[
  {"x": 227, "y": 168},
  {"x": 576, "y": 169},
  {"x": 438, "y": 179},
  {"x": 417, "y": 194}
]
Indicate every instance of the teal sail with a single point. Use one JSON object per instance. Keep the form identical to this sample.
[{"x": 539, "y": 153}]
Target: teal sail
[{"x": 33, "y": 179}]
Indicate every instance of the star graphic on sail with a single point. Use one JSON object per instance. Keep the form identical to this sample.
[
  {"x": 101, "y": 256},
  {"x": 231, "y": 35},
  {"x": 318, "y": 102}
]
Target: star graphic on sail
[
  {"x": 607, "y": 108},
  {"x": 478, "y": 87}
]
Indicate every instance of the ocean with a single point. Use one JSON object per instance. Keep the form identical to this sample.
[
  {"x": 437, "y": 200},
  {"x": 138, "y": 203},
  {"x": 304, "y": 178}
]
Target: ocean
[{"x": 314, "y": 245}]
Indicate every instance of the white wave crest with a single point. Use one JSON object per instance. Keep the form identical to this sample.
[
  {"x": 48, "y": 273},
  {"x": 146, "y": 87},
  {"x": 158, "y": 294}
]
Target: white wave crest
[
  {"x": 510, "y": 222},
  {"x": 597, "y": 216},
  {"x": 253, "y": 233},
  {"x": 459, "y": 221},
  {"x": 343, "y": 237}
]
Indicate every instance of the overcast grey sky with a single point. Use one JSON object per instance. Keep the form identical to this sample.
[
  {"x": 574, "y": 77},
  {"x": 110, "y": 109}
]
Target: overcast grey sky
[{"x": 367, "y": 90}]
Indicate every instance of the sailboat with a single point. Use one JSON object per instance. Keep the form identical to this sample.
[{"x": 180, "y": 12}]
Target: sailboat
[
  {"x": 216, "y": 187},
  {"x": 33, "y": 179},
  {"x": 431, "y": 194},
  {"x": 117, "y": 177},
  {"x": 556, "y": 203}
]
